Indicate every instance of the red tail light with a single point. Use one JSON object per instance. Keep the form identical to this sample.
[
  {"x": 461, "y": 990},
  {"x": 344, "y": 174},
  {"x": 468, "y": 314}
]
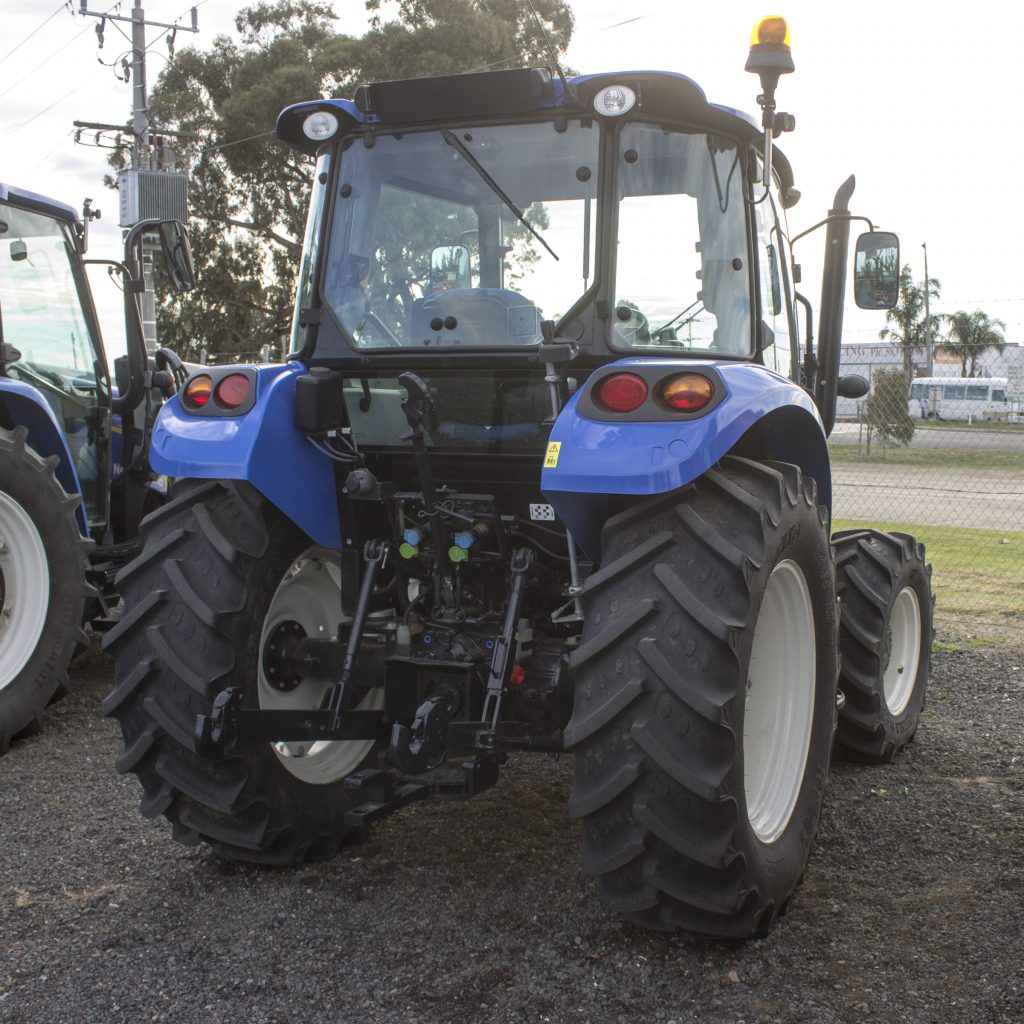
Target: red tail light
[
  {"x": 621, "y": 392},
  {"x": 233, "y": 390},
  {"x": 686, "y": 392},
  {"x": 198, "y": 391}
]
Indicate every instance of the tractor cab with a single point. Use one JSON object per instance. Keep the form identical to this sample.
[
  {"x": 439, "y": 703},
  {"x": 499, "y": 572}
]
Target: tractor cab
[
  {"x": 50, "y": 323},
  {"x": 54, "y": 373}
]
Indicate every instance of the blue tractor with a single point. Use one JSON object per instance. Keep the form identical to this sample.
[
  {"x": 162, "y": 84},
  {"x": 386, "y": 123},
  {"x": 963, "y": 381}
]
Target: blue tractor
[
  {"x": 546, "y": 470},
  {"x": 74, "y": 481}
]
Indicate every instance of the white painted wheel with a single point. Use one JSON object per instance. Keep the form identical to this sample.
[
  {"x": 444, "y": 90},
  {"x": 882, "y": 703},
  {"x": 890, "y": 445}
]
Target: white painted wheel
[
  {"x": 779, "y": 708},
  {"x": 25, "y": 585},
  {"x": 310, "y": 594},
  {"x": 900, "y": 673}
]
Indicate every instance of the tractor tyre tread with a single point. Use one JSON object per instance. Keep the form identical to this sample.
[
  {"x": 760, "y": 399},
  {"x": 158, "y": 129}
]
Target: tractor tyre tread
[
  {"x": 192, "y": 627},
  {"x": 31, "y": 481},
  {"x": 657, "y": 681},
  {"x": 872, "y": 567}
]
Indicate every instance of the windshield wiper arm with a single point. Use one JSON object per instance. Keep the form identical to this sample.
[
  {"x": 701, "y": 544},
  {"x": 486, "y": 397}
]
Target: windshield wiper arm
[
  {"x": 453, "y": 140},
  {"x": 689, "y": 319}
]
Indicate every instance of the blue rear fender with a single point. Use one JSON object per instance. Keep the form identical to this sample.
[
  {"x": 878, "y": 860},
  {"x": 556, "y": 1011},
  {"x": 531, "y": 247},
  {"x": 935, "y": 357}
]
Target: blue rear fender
[
  {"x": 261, "y": 446},
  {"x": 763, "y": 414}
]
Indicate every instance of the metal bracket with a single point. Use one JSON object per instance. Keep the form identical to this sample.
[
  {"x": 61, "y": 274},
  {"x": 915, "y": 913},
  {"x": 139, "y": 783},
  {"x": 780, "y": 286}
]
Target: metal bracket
[{"x": 229, "y": 724}]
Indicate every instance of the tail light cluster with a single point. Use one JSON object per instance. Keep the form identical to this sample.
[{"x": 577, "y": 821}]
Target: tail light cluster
[
  {"x": 680, "y": 392},
  {"x": 225, "y": 394}
]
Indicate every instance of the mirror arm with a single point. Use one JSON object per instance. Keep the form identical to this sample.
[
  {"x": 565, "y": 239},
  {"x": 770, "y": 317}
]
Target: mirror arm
[{"x": 830, "y": 219}]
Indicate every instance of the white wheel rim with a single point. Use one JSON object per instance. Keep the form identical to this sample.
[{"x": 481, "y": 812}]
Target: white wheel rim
[
  {"x": 310, "y": 594},
  {"x": 26, "y": 589},
  {"x": 904, "y": 650},
  {"x": 779, "y": 708}
]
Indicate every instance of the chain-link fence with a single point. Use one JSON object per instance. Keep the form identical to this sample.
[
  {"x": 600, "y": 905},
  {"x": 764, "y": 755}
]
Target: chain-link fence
[{"x": 941, "y": 455}]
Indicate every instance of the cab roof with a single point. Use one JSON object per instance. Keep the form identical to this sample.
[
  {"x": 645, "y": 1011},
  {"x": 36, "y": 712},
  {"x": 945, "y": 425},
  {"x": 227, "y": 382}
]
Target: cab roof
[
  {"x": 663, "y": 95},
  {"x": 42, "y": 204}
]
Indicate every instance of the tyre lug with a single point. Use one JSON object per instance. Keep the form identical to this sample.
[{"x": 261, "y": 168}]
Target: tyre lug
[{"x": 3, "y": 545}]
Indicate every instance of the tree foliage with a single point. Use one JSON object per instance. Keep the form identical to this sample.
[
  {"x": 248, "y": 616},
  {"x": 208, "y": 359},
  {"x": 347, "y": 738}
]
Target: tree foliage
[
  {"x": 247, "y": 192},
  {"x": 910, "y": 324},
  {"x": 971, "y": 335},
  {"x": 885, "y": 410}
]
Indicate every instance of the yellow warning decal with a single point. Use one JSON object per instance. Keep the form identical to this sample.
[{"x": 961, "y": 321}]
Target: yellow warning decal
[{"x": 551, "y": 458}]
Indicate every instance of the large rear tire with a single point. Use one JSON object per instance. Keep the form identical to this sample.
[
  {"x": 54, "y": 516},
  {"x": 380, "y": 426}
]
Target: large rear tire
[
  {"x": 220, "y": 566},
  {"x": 885, "y": 641},
  {"x": 42, "y": 584},
  {"x": 704, "y": 705}
]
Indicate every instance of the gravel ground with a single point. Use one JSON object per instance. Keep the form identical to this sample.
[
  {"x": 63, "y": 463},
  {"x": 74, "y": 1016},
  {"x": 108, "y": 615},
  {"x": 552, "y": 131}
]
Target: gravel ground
[{"x": 912, "y": 908}]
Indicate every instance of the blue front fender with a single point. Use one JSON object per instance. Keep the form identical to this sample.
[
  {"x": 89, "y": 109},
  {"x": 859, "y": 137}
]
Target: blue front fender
[
  {"x": 23, "y": 406},
  {"x": 262, "y": 446},
  {"x": 596, "y": 459}
]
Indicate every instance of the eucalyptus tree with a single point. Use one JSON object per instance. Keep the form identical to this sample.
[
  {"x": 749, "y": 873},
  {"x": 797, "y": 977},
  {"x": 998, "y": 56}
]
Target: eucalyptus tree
[{"x": 248, "y": 194}]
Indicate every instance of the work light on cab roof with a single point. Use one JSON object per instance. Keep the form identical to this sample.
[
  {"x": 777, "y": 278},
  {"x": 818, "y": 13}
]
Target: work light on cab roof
[
  {"x": 320, "y": 126},
  {"x": 615, "y": 100}
]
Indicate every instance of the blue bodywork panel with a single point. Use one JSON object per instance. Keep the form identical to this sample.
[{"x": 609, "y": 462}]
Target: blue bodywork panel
[
  {"x": 25, "y": 407},
  {"x": 262, "y": 446},
  {"x": 596, "y": 458}
]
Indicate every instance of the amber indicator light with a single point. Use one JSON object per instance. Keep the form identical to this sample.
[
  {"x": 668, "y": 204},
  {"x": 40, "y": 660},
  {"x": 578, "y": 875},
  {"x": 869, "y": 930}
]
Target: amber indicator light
[
  {"x": 198, "y": 391},
  {"x": 688, "y": 392}
]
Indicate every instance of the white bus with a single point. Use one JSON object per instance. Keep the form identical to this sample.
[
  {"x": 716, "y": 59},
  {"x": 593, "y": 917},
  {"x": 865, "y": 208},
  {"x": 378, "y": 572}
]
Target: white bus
[{"x": 960, "y": 398}]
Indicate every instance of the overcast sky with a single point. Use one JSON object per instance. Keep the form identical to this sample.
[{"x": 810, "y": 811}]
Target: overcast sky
[{"x": 919, "y": 100}]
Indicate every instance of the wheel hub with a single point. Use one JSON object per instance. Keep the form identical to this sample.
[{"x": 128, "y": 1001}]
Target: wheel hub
[
  {"x": 279, "y": 655},
  {"x": 903, "y": 651},
  {"x": 306, "y": 602}
]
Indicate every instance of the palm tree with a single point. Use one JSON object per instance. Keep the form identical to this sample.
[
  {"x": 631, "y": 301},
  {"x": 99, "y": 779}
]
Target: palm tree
[
  {"x": 908, "y": 315},
  {"x": 971, "y": 334}
]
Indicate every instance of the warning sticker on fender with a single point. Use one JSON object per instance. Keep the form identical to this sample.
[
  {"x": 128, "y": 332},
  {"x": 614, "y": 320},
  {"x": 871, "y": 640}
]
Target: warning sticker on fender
[{"x": 551, "y": 458}]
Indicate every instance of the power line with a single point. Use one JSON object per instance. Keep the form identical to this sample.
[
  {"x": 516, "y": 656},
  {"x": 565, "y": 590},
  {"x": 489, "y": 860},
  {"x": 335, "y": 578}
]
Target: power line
[
  {"x": 45, "y": 110},
  {"x": 46, "y": 21},
  {"x": 59, "y": 50}
]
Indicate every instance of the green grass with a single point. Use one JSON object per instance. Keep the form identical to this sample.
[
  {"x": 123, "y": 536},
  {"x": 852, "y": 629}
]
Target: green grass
[
  {"x": 947, "y": 458},
  {"x": 977, "y": 574}
]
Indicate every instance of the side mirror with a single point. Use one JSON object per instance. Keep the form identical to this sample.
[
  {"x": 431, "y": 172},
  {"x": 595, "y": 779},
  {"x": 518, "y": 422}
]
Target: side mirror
[
  {"x": 876, "y": 270},
  {"x": 178, "y": 255},
  {"x": 852, "y": 385},
  {"x": 449, "y": 268}
]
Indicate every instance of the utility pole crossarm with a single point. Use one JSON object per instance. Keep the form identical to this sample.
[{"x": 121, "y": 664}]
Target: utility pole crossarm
[{"x": 153, "y": 24}]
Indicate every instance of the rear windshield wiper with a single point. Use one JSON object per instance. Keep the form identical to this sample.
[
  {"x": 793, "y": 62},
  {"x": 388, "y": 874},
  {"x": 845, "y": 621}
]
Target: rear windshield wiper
[{"x": 453, "y": 140}]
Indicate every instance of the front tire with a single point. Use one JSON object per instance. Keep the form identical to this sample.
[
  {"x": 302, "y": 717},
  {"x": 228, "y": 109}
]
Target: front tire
[
  {"x": 885, "y": 640},
  {"x": 705, "y": 700},
  {"x": 42, "y": 584},
  {"x": 220, "y": 566}
]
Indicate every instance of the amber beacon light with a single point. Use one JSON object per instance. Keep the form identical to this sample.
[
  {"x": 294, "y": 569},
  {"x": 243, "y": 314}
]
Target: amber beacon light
[{"x": 770, "y": 47}]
